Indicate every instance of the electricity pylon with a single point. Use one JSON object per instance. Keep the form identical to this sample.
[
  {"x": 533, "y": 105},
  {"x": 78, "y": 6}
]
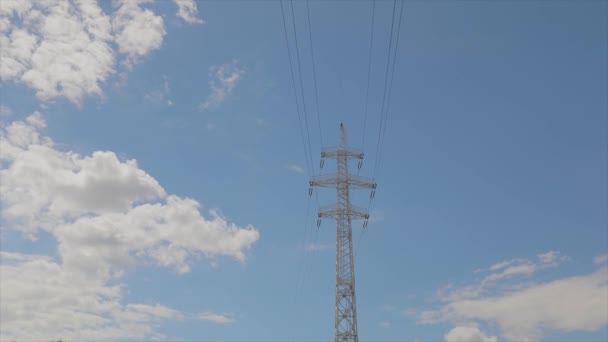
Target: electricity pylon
[{"x": 346, "y": 307}]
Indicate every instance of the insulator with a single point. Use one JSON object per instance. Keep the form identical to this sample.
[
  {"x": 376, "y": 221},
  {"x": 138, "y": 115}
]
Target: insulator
[
  {"x": 321, "y": 163},
  {"x": 372, "y": 194},
  {"x": 364, "y": 223},
  {"x": 318, "y": 222},
  {"x": 360, "y": 163},
  {"x": 309, "y": 191}
]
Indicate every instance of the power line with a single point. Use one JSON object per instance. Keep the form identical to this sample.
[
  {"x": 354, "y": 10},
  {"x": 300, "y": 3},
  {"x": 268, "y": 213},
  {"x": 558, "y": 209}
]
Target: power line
[
  {"x": 369, "y": 68},
  {"x": 390, "y": 45},
  {"x": 382, "y": 128},
  {"x": 314, "y": 72},
  {"x": 390, "y": 87},
  {"x": 300, "y": 279},
  {"x": 383, "y": 122},
  {"x": 295, "y": 92},
  {"x": 295, "y": 34}
]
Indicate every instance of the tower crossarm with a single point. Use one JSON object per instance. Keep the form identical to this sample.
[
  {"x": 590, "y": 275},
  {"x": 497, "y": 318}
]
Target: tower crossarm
[
  {"x": 335, "y": 152},
  {"x": 332, "y": 181},
  {"x": 332, "y": 211}
]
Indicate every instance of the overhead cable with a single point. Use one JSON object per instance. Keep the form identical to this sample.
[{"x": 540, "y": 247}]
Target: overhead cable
[{"x": 295, "y": 92}]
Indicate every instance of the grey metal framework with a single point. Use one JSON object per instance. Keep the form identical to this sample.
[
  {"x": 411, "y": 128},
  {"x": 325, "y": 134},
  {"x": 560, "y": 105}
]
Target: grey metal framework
[{"x": 343, "y": 212}]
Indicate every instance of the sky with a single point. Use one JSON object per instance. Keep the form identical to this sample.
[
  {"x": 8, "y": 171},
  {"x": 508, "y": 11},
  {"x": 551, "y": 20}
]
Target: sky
[{"x": 155, "y": 158}]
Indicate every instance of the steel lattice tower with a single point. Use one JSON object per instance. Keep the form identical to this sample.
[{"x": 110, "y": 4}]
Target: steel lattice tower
[{"x": 346, "y": 307}]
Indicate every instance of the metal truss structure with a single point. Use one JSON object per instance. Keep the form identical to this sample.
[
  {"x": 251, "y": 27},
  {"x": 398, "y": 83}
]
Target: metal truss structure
[{"x": 343, "y": 212}]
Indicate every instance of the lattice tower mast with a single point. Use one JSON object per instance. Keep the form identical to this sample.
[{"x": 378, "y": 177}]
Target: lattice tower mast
[{"x": 343, "y": 212}]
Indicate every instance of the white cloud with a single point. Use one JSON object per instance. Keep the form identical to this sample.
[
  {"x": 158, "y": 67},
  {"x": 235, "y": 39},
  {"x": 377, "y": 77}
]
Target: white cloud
[
  {"x": 66, "y": 48},
  {"x": 551, "y": 258},
  {"x": 137, "y": 30},
  {"x": 523, "y": 269},
  {"x": 56, "y": 48},
  {"x": 600, "y": 259},
  {"x": 43, "y": 300},
  {"x": 451, "y": 293},
  {"x": 523, "y": 311},
  {"x": 503, "y": 264},
  {"x": 215, "y": 318},
  {"x": 521, "y": 266},
  {"x": 222, "y": 81},
  {"x": 385, "y": 324},
  {"x": 295, "y": 168},
  {"x": 316, "y": 246},
  {"x": 468, "y": 334},
  {"x": 187, "y": 10},
  {"x": 88, "y": 199},
  {"x": 43, "y": 186},
  {"x": 107, "y": 215},
  {"x": 168, "y": 233}
]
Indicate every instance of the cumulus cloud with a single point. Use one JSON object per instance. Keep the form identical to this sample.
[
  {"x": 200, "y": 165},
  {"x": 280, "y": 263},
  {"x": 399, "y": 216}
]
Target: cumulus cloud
[
  {"x": 58, "y": 48},
  {"x": 137, "y": 30},
  {"x": 42, "y": 300},
  {"x": 215, "y": 318},
  {"x": 468, "y": 334},
  {"x": 106, "y": 215},
  {"x": 42, "y": 186},
  {"x": 523, "y": 311},
  {"x": 222, "y": 81},
  {"x": 168, "y": 233},
  {"x": 70, "y": 48},
  {"x": 600, "y": 259},
  {"x": 188, "y": 11}
]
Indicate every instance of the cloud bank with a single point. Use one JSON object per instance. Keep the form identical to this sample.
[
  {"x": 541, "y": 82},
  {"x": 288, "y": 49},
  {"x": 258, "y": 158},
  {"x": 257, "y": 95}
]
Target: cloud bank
[
  {"x": 523, "y": 311},
  {"x": 107, "y": 216},
  {"x": 70, "y": 48}
]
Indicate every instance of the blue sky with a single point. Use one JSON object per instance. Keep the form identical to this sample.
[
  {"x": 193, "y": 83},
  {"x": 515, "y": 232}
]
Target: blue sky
[{"x": 489, "y": 222}]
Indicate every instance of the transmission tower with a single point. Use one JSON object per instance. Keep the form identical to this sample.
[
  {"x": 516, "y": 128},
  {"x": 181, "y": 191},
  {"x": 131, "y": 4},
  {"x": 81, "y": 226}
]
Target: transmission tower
[{"x": 345, "y": 328}]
